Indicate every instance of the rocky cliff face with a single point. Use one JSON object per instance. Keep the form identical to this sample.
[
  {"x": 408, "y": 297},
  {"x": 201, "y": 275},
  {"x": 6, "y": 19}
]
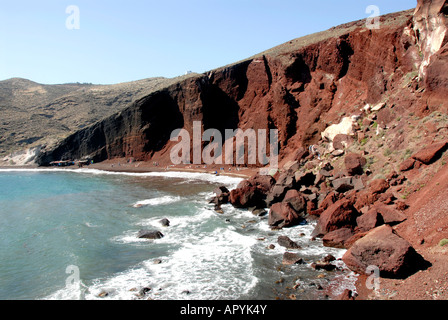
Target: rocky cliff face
[
  {"x": 430, "y": 26},
  {"x": 299, "y": 88}
]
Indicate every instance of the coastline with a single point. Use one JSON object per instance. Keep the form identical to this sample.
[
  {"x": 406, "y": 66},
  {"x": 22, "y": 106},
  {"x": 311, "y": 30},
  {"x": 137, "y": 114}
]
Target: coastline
[{"x": 121, "y": 165}]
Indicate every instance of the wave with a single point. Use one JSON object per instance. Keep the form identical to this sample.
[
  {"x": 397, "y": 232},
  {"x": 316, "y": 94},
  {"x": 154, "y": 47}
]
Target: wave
[
  {"x": 216, "y": 266},
  {"x": 156, "y": 201}
]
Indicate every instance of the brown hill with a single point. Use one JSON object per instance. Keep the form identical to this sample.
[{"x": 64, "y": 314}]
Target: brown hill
[{"x": 37, "y": 114}]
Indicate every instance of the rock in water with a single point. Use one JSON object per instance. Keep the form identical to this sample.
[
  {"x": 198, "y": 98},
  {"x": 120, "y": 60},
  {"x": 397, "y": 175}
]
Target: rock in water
[
  {"x": 165, "y": 222},
  {"x": 290, "y": 258},
  {"x": 149, "y": 234},
  {"x": 283, "y": 215},
  {"x": 286, "y": 242}
]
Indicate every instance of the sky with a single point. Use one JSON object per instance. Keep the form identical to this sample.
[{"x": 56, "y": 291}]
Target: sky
[{"x": 108, "y": 41}]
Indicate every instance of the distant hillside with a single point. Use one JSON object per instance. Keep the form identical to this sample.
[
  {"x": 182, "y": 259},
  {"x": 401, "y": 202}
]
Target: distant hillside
[{"x": 35, "y": 114}]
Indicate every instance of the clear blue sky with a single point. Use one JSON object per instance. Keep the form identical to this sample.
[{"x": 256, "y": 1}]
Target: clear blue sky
[{"x": 129, "y": 40}]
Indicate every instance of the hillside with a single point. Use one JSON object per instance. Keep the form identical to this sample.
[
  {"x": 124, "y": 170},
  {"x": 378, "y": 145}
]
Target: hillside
[{"x": 36, "y": 114}]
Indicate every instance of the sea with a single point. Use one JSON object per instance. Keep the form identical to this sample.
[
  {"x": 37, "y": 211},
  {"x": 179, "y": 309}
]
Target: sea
[{"x": 71, "y": 234}]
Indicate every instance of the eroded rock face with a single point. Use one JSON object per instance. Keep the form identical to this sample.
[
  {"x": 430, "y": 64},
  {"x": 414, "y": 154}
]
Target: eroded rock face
[
  {"x": 298, "y": 88},
  {"x": 430, "y": 25}
]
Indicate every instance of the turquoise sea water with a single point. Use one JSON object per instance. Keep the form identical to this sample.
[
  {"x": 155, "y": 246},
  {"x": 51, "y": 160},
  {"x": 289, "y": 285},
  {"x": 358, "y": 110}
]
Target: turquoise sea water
[{"x": 58, "y": 226}]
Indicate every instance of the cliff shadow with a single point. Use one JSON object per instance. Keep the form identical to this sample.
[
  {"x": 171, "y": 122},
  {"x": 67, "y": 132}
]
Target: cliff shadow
[{"x": 160, "y": 116}]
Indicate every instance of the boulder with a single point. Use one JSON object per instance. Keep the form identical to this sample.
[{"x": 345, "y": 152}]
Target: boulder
[
  {"x": 258, "y": 212},
  {"x": 290, "y": 258},
  {"x": 221, "y": 190},
  {"x": 251, "y": 192},
  {"x": 342, "y": 184},
  {"x": 276, "y": 194},
  {"x": 286, "y": 242},
  {"x": 407, "y": 165},
  {"x": 354, "y": 164},
  {"x": 389, "y": 215},
  {"x": 149, "y": 234},
  {"x": 341, "y": 214},
  {"x": 369, "y": 220},
  {"x": 383, "y": 248},
  {"x": 431, "y": 153},
  {"x": 282, "y": 215},
  {"x": 329, "y": 199},
  {"x": 296, "y": 200},
  {"x": 337, "y": 238},
  {"x": 344, "y": 127},
  {"x": 324, "y": 264},
  {"x": 379, "y": 186},
  {"x": 365, "y": 198}
]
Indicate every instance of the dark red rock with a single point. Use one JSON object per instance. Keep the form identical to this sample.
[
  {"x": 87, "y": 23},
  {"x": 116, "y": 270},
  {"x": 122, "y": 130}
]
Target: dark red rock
[
  {"x": 369, "y": 220},
  {"x": 337, "y": 238},
  {"x": 251, "y": 192},
  {"x": 341, "y": 214},
  {"x": 407, "y": 165},
  {"x": 342, "y": 141},
  {"x": 296, "y": 200},
  {"x": 354, "y": 164},
  {"x": 379, "y": 186},
  {"x": 381, "y": 247},
  {"x": 389, "y": 214},
  {"x": 282, "y": 215},
  {"x": 430, "y": 153}
]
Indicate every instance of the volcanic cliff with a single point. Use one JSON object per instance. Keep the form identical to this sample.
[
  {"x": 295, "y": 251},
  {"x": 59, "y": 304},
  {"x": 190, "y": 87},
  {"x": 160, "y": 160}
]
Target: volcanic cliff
[{"x": 362, "y": 121}]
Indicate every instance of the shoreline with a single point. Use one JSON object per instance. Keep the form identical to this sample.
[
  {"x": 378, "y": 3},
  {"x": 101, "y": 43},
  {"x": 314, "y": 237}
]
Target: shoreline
[
  {"x": 121, "y": 165},
  {"x": 112, "y": 166}
]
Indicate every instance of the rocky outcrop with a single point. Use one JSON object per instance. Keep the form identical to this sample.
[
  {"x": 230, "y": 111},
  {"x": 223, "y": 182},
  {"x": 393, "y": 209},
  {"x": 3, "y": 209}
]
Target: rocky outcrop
[{"x": 252, "y": 192}]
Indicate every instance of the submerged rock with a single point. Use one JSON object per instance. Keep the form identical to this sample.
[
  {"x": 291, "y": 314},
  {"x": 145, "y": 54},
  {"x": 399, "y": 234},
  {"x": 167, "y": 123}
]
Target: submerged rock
[{"x": 290, "y": 258}]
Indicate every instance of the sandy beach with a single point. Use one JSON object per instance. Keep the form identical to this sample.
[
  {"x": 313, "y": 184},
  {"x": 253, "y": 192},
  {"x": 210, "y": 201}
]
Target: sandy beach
[{"x": 123, "y": 165}]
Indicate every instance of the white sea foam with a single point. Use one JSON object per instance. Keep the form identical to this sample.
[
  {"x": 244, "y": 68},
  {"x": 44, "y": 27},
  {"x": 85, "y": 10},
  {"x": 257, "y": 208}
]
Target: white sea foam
[
  {"x": 157, "y": 201},
  {"x": 215, "y": 266}
]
